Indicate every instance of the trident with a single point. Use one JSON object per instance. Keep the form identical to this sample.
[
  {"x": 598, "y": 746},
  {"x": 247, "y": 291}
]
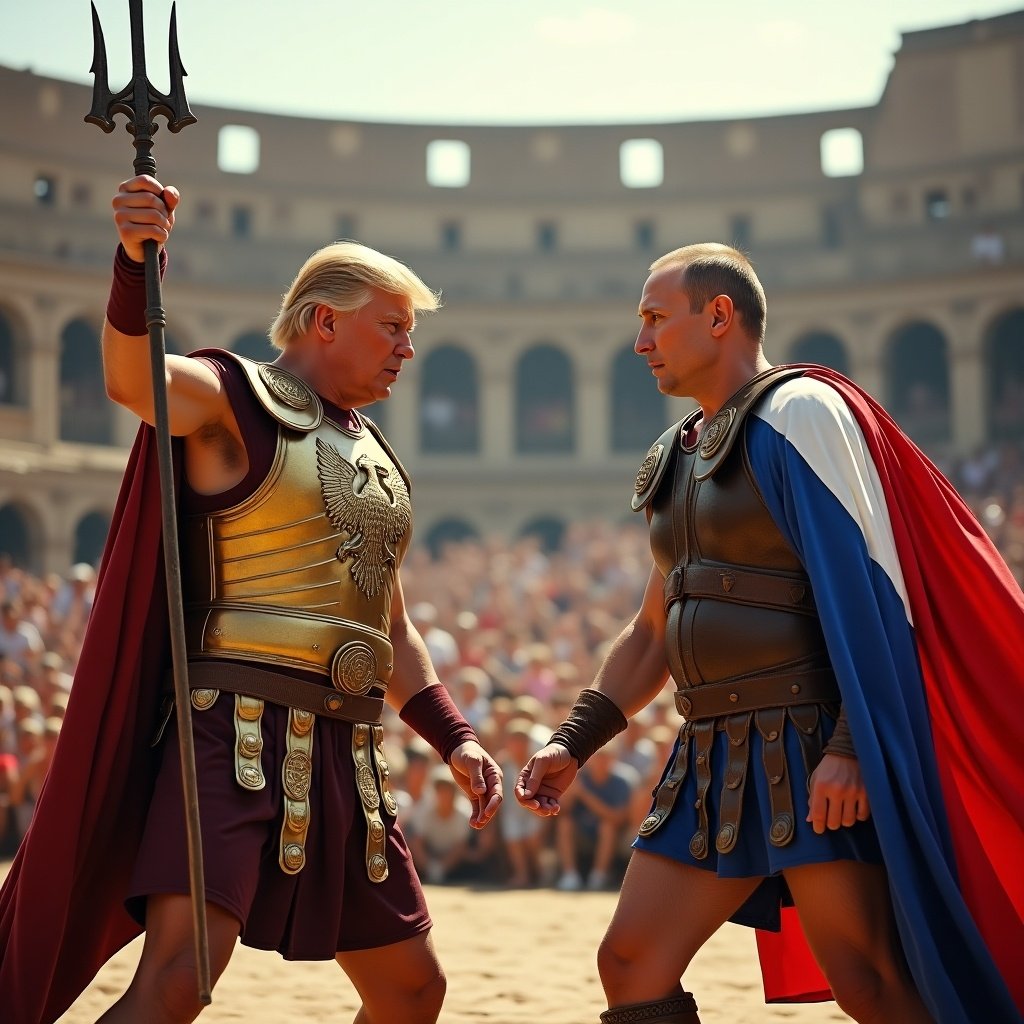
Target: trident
[{"x": 141, "y": 103}]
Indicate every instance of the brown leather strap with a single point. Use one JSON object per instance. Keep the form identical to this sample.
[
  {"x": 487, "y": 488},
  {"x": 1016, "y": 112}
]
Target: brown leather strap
[
  {"x": 743, "y": 586},
  {"x": 284, "y": 690},
  {"x": 704, "y": 738},
  {"x": 778, "y": 689},
  {"x": 737, "y": 729},
  {"x": 678, "y": 1008},
  {"x": 770, "y": 724},
  {"x": 666, "y": 793}
]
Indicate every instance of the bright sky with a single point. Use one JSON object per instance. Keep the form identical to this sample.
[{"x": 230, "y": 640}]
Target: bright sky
[{"x": 497, "y": 61}]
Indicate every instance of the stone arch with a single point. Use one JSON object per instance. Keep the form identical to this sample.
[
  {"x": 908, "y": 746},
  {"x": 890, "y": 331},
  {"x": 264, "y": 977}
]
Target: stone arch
[
  {"x": 917, "y": 373},
  {"x": 449, "y": 531},
  {"x": 822, "y": 347},
  {"x": 19, "y": 541},
  {"x": 86, "y": 414},
  {"x": 545, "y": 401},
  {"x": 449, "y": 402},
  {"x": 638, "y": 408},
  {"x": 1004, "y": 366},
  {"x": 90, "y": 537}
]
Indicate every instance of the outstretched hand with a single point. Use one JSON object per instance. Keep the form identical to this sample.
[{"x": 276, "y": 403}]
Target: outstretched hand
[
  {"x": 545, "y": 778},
  {"x": 478, "y": 776},
  {"x": 838, "y": 798}
]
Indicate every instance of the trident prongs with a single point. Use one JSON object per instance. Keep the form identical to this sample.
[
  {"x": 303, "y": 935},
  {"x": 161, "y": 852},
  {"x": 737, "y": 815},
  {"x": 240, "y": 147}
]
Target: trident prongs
[{"x": 139, "y": 101}]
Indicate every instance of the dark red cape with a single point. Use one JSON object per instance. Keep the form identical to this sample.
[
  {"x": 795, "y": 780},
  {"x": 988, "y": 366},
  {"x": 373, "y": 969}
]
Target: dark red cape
[{"x": 62, "y": 910}]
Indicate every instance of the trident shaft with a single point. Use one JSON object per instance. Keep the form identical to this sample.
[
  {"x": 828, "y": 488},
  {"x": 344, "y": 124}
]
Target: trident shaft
[{"x": 141, "y": 103}]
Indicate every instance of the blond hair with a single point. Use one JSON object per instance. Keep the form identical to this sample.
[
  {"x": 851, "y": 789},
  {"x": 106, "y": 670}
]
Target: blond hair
[
  {"x": 711, "y": 268},
  {"x": 341, "y": 276}
]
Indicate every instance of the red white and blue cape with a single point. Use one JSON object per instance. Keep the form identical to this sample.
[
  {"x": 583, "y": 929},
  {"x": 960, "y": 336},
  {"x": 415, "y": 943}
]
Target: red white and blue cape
[{"x": 925, "y": 628}]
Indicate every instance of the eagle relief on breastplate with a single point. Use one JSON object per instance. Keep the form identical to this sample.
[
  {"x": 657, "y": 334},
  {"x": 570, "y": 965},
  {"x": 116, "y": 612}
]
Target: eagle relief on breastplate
[{"x": 370, "y": 502}]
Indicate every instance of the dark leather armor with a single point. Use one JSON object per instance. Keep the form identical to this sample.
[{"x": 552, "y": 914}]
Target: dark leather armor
[{"x": 743, "y": 640}]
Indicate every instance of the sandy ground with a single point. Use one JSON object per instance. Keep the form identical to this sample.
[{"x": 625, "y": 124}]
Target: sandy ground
[{"x": 512, "y": 957}]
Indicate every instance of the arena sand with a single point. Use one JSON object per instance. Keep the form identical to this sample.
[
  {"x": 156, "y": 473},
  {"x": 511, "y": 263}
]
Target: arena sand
[{"x": 511, "y": 956}]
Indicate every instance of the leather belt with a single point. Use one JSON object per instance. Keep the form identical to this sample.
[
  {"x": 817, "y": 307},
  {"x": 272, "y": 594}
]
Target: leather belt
[
  {"x": 744, "y": 586},
  {"x": 734, "y": 696},
  {"x": 284, "y": 690}
]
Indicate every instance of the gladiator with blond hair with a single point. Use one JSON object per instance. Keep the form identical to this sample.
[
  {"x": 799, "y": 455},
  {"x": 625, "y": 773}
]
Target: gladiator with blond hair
[{"x": 294, "y": 516}]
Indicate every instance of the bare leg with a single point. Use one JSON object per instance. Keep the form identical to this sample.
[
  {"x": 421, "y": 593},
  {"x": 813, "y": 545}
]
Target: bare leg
[
  {"x": 666, "y": 912},
  {"x": 402, "y": 982},
  {"x": 847, "y": 916},
  {"x": 164, "y": 989}
]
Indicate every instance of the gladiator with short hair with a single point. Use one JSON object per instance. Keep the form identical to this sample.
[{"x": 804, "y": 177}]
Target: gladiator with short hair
[
  {"x": 710, "y": 269},
  {"x": 341, "y": 275}
]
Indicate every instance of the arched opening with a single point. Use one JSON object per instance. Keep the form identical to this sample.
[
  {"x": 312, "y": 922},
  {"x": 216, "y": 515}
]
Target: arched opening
[
  {"x": 449, "y": 531},
  {"x": 1005, "y": 368},
  {"x": 86, "y": 414},
  {"x": 90, "y": 536},
  {"x": 549, "y": 530},
  {"x": 12, "y": 363},
  {"x": 449, "y": 416},
  {"x": 15, "y": 537},
  {"x": 918, "y": 372},
  {"x": 638, "y": 407},
  {"x": 544, "y": 402},
  {"x": 821, "y": 347}
]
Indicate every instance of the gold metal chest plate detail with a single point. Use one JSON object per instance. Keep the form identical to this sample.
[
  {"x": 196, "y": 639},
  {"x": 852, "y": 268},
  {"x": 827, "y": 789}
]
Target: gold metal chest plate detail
[
  {"x": 354, "y": 667},
  {"x": 286, "y": 387},
  {"x": 370, "y": 503}
]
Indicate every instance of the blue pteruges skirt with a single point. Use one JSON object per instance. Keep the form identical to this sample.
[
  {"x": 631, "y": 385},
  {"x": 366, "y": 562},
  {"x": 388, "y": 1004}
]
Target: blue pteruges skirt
[{"x": 754, "y": 856}]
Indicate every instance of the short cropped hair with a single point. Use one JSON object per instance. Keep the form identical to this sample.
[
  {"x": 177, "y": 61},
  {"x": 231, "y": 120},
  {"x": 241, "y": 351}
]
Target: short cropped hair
[
  {"x": 341, "y": 276},
  {"x": 709, "y": 269}
]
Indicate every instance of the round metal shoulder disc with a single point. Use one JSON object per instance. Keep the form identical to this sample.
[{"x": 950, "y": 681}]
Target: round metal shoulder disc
[
  {"x": 648, "y": 467},
  {"x": 716, "y": 432},
  {"x": 285, "y": 386}
]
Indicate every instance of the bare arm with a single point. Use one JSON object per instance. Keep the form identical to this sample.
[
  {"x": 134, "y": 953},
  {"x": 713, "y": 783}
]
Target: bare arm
[
  {"x": 635, "y": 669},
  {"x": 413, "y": 669},
  {"x": 144, "y": 209}
]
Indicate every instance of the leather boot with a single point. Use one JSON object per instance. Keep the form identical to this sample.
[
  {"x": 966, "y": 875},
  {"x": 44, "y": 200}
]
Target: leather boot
[{"x": 678, "y": 1008}]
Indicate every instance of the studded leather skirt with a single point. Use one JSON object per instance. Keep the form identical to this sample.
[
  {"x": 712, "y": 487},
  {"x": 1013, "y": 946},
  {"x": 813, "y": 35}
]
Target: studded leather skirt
[
  {"x": 331, "y": 905},
  {"x": 692, "y": 830}
]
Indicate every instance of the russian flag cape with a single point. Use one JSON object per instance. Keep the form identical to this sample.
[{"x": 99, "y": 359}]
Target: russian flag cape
[{"x": 925, "y": 628}]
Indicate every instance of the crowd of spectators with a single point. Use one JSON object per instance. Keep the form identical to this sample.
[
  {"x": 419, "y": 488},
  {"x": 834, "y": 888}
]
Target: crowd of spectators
[{"x": 514, "y": 631}]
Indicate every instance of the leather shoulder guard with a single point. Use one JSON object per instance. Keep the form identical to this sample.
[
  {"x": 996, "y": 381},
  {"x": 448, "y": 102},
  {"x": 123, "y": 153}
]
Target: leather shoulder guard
[
  {"x": 718, "y": 436},
  {"x": 286, "y": 398},
  {"x": 657, "y": 461},
  {"x": 383, "y": 442}
]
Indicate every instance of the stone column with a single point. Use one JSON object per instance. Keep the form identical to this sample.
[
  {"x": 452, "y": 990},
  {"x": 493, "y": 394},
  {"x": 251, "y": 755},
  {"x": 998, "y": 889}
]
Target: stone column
[
  {"x": 497, "y": 403},
  {"x": 593, "y": 408},
  {"x": 968, "y": 400},
  {"x": 44, "y": 374}
]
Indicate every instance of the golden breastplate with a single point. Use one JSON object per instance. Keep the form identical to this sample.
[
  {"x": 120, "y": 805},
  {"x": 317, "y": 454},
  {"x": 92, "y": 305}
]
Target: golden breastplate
[{"x": 302, "y": 572}]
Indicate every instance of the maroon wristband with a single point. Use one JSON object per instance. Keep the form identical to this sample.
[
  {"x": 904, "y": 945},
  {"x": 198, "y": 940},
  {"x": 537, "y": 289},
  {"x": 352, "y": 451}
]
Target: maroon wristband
[
  {"x": 126, "y": 307},
  {"x": 433, "y": 715}
]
